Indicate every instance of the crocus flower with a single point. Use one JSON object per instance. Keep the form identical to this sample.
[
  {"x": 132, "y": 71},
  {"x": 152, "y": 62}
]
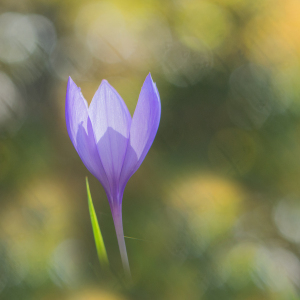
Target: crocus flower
[{"x": 110, "y": 143}]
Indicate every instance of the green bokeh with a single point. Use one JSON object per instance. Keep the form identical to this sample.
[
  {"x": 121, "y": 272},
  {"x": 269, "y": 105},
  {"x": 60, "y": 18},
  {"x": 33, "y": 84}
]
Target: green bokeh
[{"x": 214, "y": 210}]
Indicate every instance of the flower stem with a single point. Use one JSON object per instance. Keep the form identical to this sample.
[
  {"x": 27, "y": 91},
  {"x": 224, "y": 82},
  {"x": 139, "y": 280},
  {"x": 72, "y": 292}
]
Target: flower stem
[{"x": 117, "y": 217}]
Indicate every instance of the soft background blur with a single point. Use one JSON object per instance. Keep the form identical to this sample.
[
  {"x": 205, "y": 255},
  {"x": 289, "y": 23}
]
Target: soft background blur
[{"x": 214, "y": 208}]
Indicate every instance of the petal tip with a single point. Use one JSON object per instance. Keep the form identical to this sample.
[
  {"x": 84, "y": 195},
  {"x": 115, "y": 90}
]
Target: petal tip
[
  {"x": 150, "y": 81},
  {"x": 70, "y": 80},
  {"x": 105, "y": 84},
  {"x": 71, "y": 84},
  {"x": 149, "y": 77}
]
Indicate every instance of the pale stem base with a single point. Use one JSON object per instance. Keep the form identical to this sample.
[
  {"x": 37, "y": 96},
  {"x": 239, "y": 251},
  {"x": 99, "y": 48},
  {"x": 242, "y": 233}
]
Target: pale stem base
[{"x": 117, "y": 217}]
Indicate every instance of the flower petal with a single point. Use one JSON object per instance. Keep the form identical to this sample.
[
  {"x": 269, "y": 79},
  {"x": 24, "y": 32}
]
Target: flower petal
[
  {"x": 81, "y": 134},
  {"x": 111, "y": 125},
  {"x": 87, "y": 150},
  {"x": 76, "y": 110},
  {"x": 143, "y": 129}
]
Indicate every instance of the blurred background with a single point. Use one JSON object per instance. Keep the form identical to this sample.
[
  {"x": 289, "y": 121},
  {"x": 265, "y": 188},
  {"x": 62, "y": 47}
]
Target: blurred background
[{"x": 214, "y": 209}]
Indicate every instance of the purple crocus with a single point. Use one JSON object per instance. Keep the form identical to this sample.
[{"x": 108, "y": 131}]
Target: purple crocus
[{"x": 110, "y": 143}]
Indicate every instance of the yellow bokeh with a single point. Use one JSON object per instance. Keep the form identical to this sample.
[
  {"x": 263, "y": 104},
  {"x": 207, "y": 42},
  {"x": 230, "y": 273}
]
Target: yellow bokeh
[
  {"x": 205, "y": 20},
  {"x": 210, "y": 204}
]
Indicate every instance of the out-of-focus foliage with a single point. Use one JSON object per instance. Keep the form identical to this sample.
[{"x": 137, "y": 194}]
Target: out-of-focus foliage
[{"x": 214, "y": 211}]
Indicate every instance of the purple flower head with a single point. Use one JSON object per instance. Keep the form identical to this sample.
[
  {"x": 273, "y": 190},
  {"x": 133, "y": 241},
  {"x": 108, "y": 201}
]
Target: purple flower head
[{"x": 110, "y": 143}]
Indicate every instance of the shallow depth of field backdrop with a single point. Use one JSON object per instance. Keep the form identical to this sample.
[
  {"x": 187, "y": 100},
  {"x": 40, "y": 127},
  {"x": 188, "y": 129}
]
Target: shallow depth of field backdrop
[{"x": 215, "y": 206}]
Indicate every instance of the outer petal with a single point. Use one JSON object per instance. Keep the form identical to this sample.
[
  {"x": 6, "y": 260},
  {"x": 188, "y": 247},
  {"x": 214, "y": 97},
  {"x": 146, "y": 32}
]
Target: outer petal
[
  {"x": 81, "y": 134},
  {"x": 76, "y": 110},
  {"x": 143, "y": 129},
  {"x": 111, "y": 122}
]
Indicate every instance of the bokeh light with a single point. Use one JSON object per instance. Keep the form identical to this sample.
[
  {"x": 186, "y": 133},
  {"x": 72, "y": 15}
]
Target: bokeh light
[
  {"x": 17, "y": 37},
  {"x": 214, "y": 210},
  {"x": 12, "y": 106},
  {"x": 209, "y": 204}
]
